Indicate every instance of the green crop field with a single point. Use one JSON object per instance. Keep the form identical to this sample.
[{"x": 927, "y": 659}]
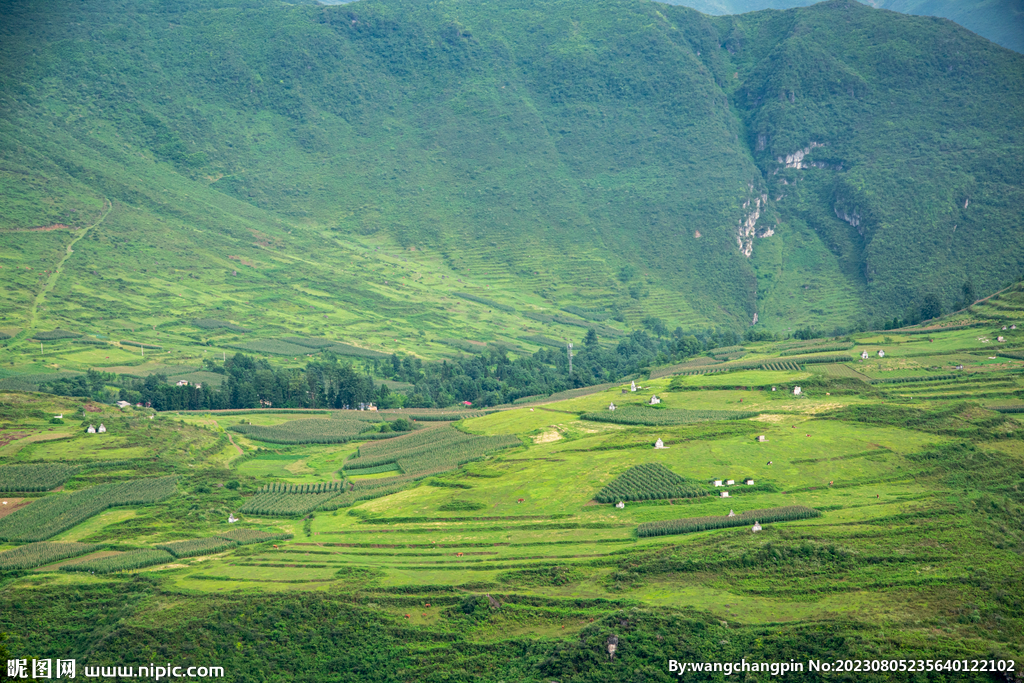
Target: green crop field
[{"x": 312, "y": 430}]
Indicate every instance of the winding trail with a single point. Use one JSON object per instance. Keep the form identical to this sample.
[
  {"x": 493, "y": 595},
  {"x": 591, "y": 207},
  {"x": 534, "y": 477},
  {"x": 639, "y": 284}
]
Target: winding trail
[{"x": 52, "y": 280}]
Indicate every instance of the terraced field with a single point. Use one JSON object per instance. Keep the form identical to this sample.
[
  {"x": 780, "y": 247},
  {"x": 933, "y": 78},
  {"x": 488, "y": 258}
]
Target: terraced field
[{"x": 875, "y": 503}]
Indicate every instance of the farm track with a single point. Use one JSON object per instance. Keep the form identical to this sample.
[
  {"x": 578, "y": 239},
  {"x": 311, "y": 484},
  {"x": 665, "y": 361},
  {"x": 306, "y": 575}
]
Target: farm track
[{"x": 52, "y": 280}]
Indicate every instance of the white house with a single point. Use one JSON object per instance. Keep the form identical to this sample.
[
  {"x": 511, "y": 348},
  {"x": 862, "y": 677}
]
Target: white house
[
  {"x": 1013, "y": 327},
  {"x": 659, "y": 444},
  {"x": 725, "y": 494},
  {"x": 123, "y": 404},
  {"x": 748, "y": 481},
  {"x": 731, "y": 514},
  {"x": 620, "y": 505},
  {"x": 1004, "y": 327},
  {"x": 182, "y": 383},
  {"x": 1001, "y": 339},
  {"x": 611, "y": 406},
  {"x": 756, "y": 527},
  {"x": 59, "y": 417},
  {"x": 632, "y": 386},
  {"x": 761, "y": 438},
  {"x": 232, "y": 519},
  {"x": 881, "y": 353},
  {"x": 101, "y": 429},
  {"x": 718, "y": 482},
  {"x": 730, "y": 482},
  {"x": 91, "y": 430},
  {"x": 655, "y": 400},
  {"x": 773, "y": 388},
  {"x": 864, "y": 355},
  {"x": 796, "y": 391}
]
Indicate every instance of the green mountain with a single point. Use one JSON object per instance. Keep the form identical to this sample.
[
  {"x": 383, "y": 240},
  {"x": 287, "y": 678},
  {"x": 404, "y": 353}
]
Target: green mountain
[
  {"x": 350, "y": 171},
  {"x": 1001, "y": 21}
]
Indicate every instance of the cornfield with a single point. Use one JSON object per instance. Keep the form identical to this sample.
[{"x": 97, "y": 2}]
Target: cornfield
[
  {"x": 40, "y": 477},
  {"x": 434, "y": 451},
  {"x": 199, "y": 546},
  {"x": 661, "y": 417},
  {"x": 324, "y": 487},
  {"x": 818, "y": 349},
  {"x": 59, "y": 512},
  {"x": 54, "y": 335},
  {"x": 649, "y": 481},
  {"x": 248, "y": 536},
  {"x": 333, "y": 430},
  {"x": 779, "y": 366},
  {"x": 693, "y": 524},
  {"x": 279, "y": 504},
  {"x": 133, "y": 559},
  {"x": 38, "y": 554}
]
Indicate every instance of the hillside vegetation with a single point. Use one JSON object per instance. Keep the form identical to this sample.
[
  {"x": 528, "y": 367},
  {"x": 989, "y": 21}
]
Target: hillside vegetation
[{"x": 413, "y": 176}]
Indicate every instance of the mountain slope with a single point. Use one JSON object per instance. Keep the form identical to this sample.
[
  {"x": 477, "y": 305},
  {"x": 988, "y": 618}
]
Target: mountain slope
[
  {"x": 609, "y": 155},
  {"x": 1001, "y": 21}
]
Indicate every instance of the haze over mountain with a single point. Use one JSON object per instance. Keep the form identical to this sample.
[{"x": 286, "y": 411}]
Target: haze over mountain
[
  {"x": 824, "y": 165},
  {"x": 1001, "y": 21}
]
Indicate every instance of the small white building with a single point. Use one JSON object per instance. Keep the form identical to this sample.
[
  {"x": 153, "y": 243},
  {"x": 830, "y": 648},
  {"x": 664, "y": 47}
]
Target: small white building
[
  {"x": 959, "y": 367},
  {"x": 756, "y": 527},
  {"x": 632, "y": 386},
  {"x": 620, "y": 505},
  {"x": 101, "y": 429},
  {"x": 718, "y": 482},
  {"x": 725, "y": 494},
  {"x": 611, "y": 406},
  {"x": 731, "y": 514},
  {"x": 232, "y": 519},
  {"x": 796, "y": 391},
  {"x": 730, "y": 482},
  {"x": 748, "y": 481},
  {"x": 1013, "y": 327},
  {"x": 1001, "y": 339},
  {"x": 91, "y": 430},
  {"x": 59, "y": 417},
  {"x": 1004, "y": 327},
  {"x": 182, "y": 383},
  {"x": 761, "y": 438},
  {"x": 659, "y": 444},
  {"x": 864, "y": 355},
  {"x": 655, "y": 400},
  {"x": 124, "y": 404},
  {"x": 773, "y": 388},
  {"x": 881, "y": 353}
]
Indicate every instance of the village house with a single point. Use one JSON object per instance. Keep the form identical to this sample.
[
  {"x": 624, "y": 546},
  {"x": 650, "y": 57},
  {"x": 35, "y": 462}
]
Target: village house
[
  {"x": 659, "y": 444},
  {"x": 620, "y": 505},
  {"x": 102, "y": 429},
  {"x": 718, "y": 482},
  {"x": 91, "y": 430},
  {"x": 725, "y": 494},
  {"x": 611, "y": 406},
  {"x": 761, "y": 438},
  {"x": 655, "y": 400},
  {"x": 881, "y": 353},
  {"x": 756, "y": 527},
  {"x": 864, "y": 355},
  {"x": 748, "y": 481},
  {"x": 730, "y": 482},
  {"x": 796, "y": 391}
]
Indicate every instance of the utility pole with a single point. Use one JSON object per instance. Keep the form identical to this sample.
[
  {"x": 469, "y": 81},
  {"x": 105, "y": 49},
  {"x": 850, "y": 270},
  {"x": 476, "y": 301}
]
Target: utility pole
[{"x": 569, "y": 350}]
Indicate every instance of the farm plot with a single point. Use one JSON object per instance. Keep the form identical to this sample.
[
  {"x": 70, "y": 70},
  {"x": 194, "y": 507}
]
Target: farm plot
[
  {"x": 274, "y": 347},
  {"x": 433, "y": 451},
  {"x": 670, "y": 527},
  {"x": 839, "y": 370},
  {"x": 199, "y": 546},
  {"x": 650, "y": 481},
  {"x": 59, "y": 512},
  {"x": 133, "y": 559},
  {"x": 660, "y": 417},
  {"x": 249, "y": 536},
  {"x": 332, "y": 430},
  {"x": 35, "y": 477},
  {"x": 38, "y": 554},
  {"x": 285, "y": 504}
]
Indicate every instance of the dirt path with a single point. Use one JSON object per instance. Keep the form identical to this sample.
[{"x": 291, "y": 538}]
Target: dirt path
[
  {"x": 232, "y": 441},
  {"x": 52, "y": 280}
]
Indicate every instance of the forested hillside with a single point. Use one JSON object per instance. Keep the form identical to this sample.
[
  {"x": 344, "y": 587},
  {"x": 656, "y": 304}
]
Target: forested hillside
[
  {"x": 1001, "y": 21},
  {"x": 619, "y": 157}
]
